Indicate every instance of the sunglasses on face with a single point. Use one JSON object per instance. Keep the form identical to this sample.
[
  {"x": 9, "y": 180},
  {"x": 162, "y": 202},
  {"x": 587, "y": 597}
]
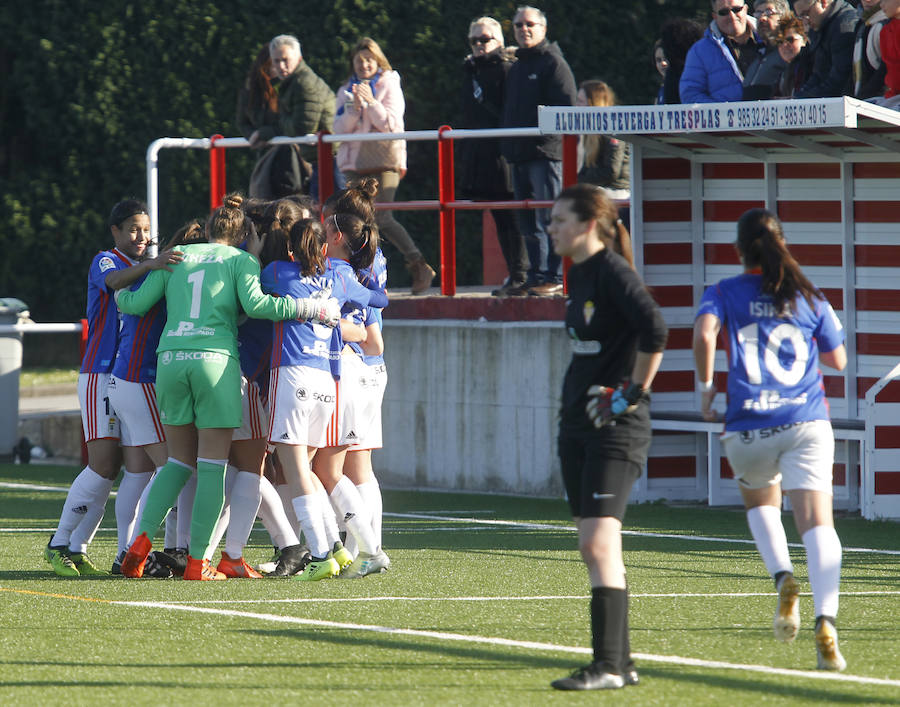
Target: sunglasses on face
[
  {"x": 759, "y": 14},
  {"x": 480, "y": 40},
  {"x": 723, "y": 11},
  {"x": 529, "y": 25}
]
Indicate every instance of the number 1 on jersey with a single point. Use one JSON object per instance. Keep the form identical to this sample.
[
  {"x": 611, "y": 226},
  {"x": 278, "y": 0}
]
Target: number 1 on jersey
[{"x": 196, "y": 280}]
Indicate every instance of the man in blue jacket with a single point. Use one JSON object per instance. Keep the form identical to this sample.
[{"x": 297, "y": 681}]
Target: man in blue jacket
[
  {"x": 833, "y": 25},
  {"x": 715, "y": 66}
]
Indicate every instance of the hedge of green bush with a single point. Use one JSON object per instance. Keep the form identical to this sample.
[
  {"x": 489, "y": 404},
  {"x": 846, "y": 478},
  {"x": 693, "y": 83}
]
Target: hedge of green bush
[{"x": 85, "y": 87}]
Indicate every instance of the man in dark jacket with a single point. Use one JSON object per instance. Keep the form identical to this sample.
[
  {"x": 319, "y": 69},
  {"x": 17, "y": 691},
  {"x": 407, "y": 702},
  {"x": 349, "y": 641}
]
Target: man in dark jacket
[
  {"x": 306, "y": 105},
  {"x": 833, "y": 25},
  {"x": 540, "y": 76}
]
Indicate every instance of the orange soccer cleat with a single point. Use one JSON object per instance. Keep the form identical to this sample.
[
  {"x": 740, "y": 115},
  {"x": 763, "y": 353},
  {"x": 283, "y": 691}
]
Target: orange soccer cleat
[
  {"x": 236, "y": 568},
  {"x": 133, "y": 562},
  {"x": 200, "y": 569}
]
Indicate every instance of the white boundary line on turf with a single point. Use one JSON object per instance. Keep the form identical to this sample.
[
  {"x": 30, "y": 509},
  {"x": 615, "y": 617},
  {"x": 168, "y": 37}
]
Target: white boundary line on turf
[
  {"x": 507, "y": 523},
  {"x": 638, "y": 533},
  {"x": 585, "y": 597},
  {"x": 493, "y": 641}
]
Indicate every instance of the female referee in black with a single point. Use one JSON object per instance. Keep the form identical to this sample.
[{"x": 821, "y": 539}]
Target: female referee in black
[{"x": 617, "y": 336}]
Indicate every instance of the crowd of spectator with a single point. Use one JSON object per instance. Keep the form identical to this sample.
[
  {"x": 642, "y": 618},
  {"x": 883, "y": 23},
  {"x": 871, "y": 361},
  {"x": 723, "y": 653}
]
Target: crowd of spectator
[{"x": 812, "y": 49}]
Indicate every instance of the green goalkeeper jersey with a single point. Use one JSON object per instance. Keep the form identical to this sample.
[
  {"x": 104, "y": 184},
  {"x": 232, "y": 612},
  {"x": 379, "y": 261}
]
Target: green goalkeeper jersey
[{"x": 204, "y": 297}]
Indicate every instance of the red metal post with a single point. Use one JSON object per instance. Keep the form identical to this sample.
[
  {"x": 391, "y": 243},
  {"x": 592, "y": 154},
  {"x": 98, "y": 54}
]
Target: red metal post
[
  {"x": 325, "y": 157},
  {"x": 216, "y": 173},
  {"x": 448, "y": 214},
  {"x": 569, "y": 177},
  {"x": 82, "y": 346}
]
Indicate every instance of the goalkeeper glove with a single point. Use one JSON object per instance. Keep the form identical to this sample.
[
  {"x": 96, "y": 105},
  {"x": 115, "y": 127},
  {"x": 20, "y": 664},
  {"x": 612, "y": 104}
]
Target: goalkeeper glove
[
  {"x": 606, "y": 404},
  {"x": 318, "y": 310}
]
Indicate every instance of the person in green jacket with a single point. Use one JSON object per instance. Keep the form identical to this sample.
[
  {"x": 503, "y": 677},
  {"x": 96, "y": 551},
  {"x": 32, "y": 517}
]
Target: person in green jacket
[{"x": 198, "y": 374}]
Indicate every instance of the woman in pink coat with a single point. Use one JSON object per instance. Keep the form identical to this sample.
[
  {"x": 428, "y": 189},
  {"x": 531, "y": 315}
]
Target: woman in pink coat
[{"x": 371, "y": 101}]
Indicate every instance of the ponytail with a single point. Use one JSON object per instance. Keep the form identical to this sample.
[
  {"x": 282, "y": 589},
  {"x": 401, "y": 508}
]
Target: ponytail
[
  {"x": 306, "y": 239},
  {"x": 761, "y": 244},
  {"x": 361, "y": 237}
]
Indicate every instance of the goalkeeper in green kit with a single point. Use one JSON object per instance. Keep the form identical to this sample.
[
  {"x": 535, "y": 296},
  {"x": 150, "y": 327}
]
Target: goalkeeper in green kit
[{"x": 198, "y": 371}]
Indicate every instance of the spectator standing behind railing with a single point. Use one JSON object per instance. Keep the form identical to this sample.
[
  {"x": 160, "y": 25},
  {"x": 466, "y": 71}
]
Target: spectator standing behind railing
[
  {"x": 661, "y": 64},
  {"x": 832, "y": 26},
  {"x": 677, "y": 36},
  {"x": 602, "y": 160},
  {"x": 540, "y": 76},
  {"x": 305, "y": 106},
  {"x": 890, "y": 50},
  {"x": 793, "y": 47},
  {"x": 371, "y": 101},
  {"x": 483, "y": 173},
  {"x": 868, "y": 68},
  {"x": 762, "y": 78},
  {"x": 715, "y": 66},
  {"x": 257, "y": 103}
]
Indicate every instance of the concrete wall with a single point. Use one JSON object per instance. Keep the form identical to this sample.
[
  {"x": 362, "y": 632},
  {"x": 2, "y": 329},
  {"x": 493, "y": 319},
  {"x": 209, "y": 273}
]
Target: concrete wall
[{"x": 473, "y": 405}]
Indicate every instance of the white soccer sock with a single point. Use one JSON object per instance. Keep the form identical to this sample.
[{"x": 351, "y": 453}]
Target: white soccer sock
[
  {"x": 768, "y": 533},
  {"x": 370, "y": 492},
  {"x": 185, "y": 508},
  {"x": 284, "y": 493},
  {"x": 271, "y": 513},
  {"x": 329, "y": 520},
  {"x": 75, "y": 506},
  {"x": 244, "y": 505},
  {"x": 84, "y": 532},
  {"x": 128, "y": 498},
  {"x": 347, "y": 500},
  {"x": 823, "y": 558},
  {"x": 225, "y": 516},
  {"x": 172, "y": 529},
  {"x": 309, "y": 514}
]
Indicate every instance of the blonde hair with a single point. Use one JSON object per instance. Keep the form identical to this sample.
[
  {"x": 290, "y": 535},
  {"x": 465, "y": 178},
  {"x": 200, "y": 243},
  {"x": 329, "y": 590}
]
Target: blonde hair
[
  {"x": 490, "y": 22},
  {"x": 598, "y": 94},
  {"x": 367, "y": 43}
]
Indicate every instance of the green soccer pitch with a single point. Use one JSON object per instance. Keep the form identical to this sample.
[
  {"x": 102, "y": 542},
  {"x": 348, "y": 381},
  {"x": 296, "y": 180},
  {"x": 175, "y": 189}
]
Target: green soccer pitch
[{"x": 485, "y": 603}]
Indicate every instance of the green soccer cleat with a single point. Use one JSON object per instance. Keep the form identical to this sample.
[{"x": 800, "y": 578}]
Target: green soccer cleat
[
  {"x": 342, "y": 555},
  {"x": 317, "y": 569},
  {"x": 60, "y": 561},
  {"x": 85, "y": 567},
  {"x": 366, "y": 564}
]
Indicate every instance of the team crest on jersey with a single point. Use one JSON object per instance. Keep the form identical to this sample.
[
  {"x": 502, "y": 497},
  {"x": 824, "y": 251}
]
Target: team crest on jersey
[
  {"x": 588, "y": 311},
  {"x": 166, "y": 358},
  {"x": 302, "y": 394},
  {"x": 106, "y": 263}
]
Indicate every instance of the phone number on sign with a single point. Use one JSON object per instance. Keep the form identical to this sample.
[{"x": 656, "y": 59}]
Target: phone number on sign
[{"x": 783, "y": 116}]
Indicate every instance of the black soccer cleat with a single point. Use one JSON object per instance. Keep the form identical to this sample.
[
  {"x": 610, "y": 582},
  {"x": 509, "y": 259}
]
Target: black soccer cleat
[{"x": 293, "y": 559}]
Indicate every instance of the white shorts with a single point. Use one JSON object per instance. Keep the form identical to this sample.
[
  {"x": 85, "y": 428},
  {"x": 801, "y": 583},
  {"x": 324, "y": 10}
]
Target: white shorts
[
  {"x": 303, "y": 401},
  {"x": 254, "y": 416},
  {"x": 799, "y": 456},
  {"x": 98, "y": 416},
  {"x": 362, "y": 390},
  {"x": 135, "y": 404}
]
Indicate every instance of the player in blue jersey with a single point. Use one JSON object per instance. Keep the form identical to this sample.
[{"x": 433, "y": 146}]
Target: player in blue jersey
[
  {"x": 777, "y": 430},
  {"x": 303, "y": 390},
  {"x": 85, "y": 503}
]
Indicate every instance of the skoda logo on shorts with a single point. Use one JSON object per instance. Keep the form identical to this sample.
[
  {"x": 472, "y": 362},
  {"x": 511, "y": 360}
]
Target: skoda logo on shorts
[
  {"x": 746, "y": 436},
  {"x": 302, "y": 394},
  {"x": 167, "y": 358}
]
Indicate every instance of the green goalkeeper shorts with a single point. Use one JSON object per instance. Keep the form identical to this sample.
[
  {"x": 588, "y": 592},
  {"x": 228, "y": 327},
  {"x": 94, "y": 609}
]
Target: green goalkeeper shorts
[{"x": 199, "y": 387}]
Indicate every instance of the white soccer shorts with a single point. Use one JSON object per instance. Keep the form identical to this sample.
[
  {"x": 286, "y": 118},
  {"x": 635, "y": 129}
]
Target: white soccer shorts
[
  {"x": 98, "y": 416},
  {"x": 798, "y": 455},
  {"x": 362, "y": 391},
  {"x": 254, "y": 416},
  {"x": 302, "y": 401},
  {"x": 135, "y": 404}
]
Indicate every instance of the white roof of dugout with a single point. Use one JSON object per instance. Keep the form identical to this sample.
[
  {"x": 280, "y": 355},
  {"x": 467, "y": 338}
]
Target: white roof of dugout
[{"x": 797, "y": 130}]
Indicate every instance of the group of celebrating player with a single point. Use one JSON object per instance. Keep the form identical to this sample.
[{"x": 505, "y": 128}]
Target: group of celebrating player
[{"x": 231, "y": 393}]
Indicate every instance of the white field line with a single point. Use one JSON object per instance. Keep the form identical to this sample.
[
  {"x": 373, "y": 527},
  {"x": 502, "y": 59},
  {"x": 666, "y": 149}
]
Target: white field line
[
  {"x": 502, "y": 523},
  {"x": 585, "y": 597},
  {"x": 495, "y": 641}
]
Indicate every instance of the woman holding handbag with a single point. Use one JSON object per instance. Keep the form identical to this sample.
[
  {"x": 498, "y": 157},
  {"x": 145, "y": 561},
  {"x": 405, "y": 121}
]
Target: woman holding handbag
[{"x": 371, "y": 101}]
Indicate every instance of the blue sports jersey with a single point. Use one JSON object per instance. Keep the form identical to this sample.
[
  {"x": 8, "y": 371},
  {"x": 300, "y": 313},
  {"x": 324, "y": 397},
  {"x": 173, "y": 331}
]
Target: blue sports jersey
[
  {"x": 297, "y": 343},
  {"x": 255, "y": 349},
  {"x": 138, "y": 339},
  {"x": 376, "y": 273},
  {"x": 774, "y": 377},
  {"x": 102, "y": 313}
]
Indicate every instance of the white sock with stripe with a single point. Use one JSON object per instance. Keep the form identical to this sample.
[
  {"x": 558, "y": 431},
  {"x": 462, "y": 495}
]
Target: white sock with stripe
[{"x": 347, "y": 500}]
